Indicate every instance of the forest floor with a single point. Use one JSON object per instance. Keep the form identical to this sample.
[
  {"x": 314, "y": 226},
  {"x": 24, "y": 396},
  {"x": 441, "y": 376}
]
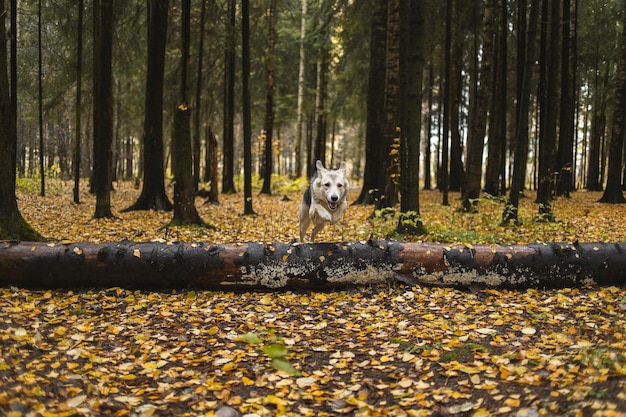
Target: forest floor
[{"x": 385, "y": 350}]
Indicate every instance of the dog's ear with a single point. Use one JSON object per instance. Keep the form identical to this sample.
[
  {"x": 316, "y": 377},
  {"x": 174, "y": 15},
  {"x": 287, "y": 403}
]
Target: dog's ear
[
  {"x": 342, "y": 167},
  {"x": 320, "y": 166}
]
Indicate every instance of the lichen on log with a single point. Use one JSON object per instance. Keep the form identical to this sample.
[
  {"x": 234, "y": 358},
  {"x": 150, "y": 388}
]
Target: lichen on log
[{"x": 323, "y": 266}]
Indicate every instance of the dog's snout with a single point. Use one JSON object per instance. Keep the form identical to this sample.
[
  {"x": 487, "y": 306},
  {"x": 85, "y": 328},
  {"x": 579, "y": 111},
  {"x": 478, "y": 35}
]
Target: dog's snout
[{"x": 334, "y": 197}]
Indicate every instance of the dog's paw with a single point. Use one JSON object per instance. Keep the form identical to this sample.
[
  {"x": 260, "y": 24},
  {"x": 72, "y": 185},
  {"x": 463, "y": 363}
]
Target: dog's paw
[{"x": 325, "y": 215}]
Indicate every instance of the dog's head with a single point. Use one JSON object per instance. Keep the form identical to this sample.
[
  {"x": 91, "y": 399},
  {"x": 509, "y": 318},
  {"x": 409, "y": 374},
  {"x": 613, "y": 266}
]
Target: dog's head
[{"x": 332, "y": 183}]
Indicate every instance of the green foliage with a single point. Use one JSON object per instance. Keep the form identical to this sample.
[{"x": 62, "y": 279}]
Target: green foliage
[
  {"x": 272, "y": 346},
  {"x": 410, "y": 223}
]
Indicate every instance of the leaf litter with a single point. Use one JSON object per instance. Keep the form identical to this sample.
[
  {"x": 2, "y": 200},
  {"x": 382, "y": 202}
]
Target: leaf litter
[{"x": 368, "y": 351}]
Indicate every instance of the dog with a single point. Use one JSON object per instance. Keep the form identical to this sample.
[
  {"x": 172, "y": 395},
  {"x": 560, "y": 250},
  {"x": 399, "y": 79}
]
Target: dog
[{"x": 325, "y": 199}]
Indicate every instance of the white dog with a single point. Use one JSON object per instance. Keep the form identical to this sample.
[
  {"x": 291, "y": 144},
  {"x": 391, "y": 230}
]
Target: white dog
[{"x": 325, "y": 200}]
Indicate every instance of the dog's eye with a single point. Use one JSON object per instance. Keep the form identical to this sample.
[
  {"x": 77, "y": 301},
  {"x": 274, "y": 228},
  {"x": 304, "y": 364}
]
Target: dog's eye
[
  {"x": 327, "y": 184},
  {"x": 339, "y": 185}
]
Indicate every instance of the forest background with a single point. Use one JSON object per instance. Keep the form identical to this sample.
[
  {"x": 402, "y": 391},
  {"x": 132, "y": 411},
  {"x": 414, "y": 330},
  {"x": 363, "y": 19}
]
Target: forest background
[
  {"x": 181, "y": 97},
  {"x": 491, "y": 95}
]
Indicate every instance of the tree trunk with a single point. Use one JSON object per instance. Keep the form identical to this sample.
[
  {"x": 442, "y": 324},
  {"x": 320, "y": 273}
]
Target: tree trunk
[
  {"x": 42, "y": 168},
  {"x": 413, "y": 48},
  {"x": 228, "y": 161},
  {"x": 12, "y": 224},
  {"x": 429, "y": 118},
  {"x": 374, "y": 173},
  {"x": 269, "y": 102},
  {"x": 548, "y": 124},
  {"x": 211, "y": 166},
  {"x": 613, "y": 192},
  {"x": 198, "y": 105},
  {"x": 247, "y": 123},
  {"x": 321, "y": 266},
  {"x": 394, "y": 83},
  {"x": 301, "y": 85},
  {"x": 185, "y": 212},
  {"x": 457, "y": 172},
  {"x": 598, "y": 126},
  {"x": 510, "y": 213},
  {"x": 444, "y": 175},
  {"x": 477, "y": 126},
  {"x": 102, "y": 107},
  {"x": 496, "y": 144},
  {"x": 79, "y": 92},
  {"x": 565, "y": 152},
  {"x": 319, "y": 148},
  {"x": 153, "y": 195}
]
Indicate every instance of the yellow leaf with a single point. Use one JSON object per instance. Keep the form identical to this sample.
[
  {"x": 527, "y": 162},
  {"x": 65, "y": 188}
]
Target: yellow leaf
[
  {"x": 512, "y": 402},
  {"x": 137, "y": 253},
  {"x": 76, "y": 401}
]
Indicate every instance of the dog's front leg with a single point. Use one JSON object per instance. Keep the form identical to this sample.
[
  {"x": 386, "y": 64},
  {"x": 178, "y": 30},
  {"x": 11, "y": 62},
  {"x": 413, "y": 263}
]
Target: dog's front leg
[
  {"x": 316, "y": 229},
  {"x": 321, "y": 212}
]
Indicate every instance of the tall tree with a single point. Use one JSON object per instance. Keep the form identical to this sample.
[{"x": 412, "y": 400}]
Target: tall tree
[
  {"x": 598, "y": 126},
  {"x": 565, "y": 152},
  {"x": 301, "y": 85},
  {"x": 520, "y": 157},
  {"x": 477, "y": 124},
  {"x": 79, "y": 88},
  {"x": 447, "y": 69},
  {"x": 460, "y": 8},
  {"x": 412, "y": 45},
  {"x": 102, "y": 106},
  {"x": 613, "y": 192},
  {"x": 153, "y": 195},
  {"x": 211, "y": 166},
  {"x": 392, "y": 132},
  {"x": 269, "y": 101},
  {"x": 548, "y": 122},
  {"x": 496, "y": 143},
  {"x": 247, "y": 123},
  {"x": 228, "y": 160},
  {"x": 198, "y": 104},
  {"x": 429, "y": 118},
  {"x": 42, "y": 168},
  {"x": 374, "y": 174},
  {"x": 12, "y": 224},
  {"x": 185, "y": 212}
]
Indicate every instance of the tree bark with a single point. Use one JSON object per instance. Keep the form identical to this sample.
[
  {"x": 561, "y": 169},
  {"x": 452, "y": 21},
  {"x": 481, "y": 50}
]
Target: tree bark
[
  {"x": 413, "y": 47},
  {"x": 103, "y": 107},
  {"x": 457, "y": 176},
  {"x": 12, "y": 224},
  {"x": 269, "y": 100},
  {"x": 374, "y": 174},
  {"x": 478, "y": 124},
  {"x": 79, "y": 91},
  {"x": 321, "y": 266},
  {"x": 613, "y": 192},
  {"x": 211, "y": 166},
  {"x": 445, "y": 172},
  {"x": 198, "y": 105},
  {"x": 153, "y": 195},
  {"x": 185, "y": 212},
  {"x": 246, "y": 108},
  {"x": 228, "y": 161},
  {"x": 565, "y": 152},
  {"x": 395, "y": 82},
  {"x": 301, "y": 85},
  {"x": 525, "y": 66},
  {"x": 548, "y": 111},
  {"x": 496, "y": 143}
]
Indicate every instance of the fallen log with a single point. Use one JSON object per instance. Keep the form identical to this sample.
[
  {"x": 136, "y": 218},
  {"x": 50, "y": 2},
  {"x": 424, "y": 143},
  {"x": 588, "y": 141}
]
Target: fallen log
[{"x": 272, "y": 266}]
